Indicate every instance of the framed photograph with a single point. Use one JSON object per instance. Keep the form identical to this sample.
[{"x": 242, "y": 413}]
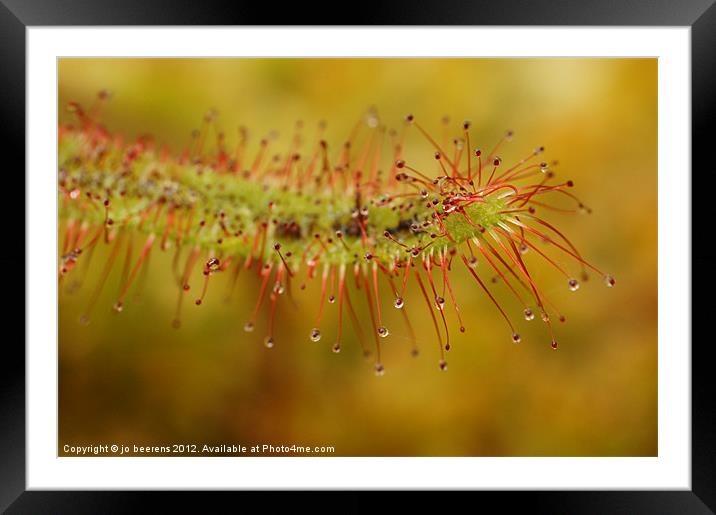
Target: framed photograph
[{"x": 393, "y": 255}]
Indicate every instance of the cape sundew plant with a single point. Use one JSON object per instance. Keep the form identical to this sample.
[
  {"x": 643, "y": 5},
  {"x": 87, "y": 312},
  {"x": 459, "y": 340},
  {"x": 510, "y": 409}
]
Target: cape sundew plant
[{"x": 347, "y": 215}]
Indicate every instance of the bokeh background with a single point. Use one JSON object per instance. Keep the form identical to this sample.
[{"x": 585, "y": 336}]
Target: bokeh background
[{"x": 132, "y": 378}]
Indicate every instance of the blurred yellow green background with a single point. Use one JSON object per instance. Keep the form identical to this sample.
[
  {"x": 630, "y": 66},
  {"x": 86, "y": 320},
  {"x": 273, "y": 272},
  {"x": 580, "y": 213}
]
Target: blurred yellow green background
[{"x": 132, "y": 378}]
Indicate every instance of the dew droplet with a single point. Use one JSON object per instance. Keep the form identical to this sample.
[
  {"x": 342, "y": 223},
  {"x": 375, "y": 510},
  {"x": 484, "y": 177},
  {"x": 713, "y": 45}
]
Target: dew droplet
[
  {"x": 609, "y": 281},
  {"x": 573, "y": 284},
  {"x": 332, "y": 299},
  {"x": 529, "y": 314},
  {"x": 379, "y": 369},
  {"x": 118, "y": 306},
  {"x": 516, "y": 338},
  {"x": 472, "y": 262},
  {"x": 268, "y": 342},
  {"x": 383, "y": 331},
  {"x": 248, "y": 327},
  {"x": 439, "y": 302},
  {"x": 197, "y": 302},
  {"x": 523, "y": 248},
  {"x": 399, "y": 303},
  {"x": 554, "y": 344},
  {"x": 443, "y": 365},
  {"x": 336, "y": 347},
  {"x": 315, "y": 334},
  {"x": 212, "y": 264},
  {"x": 371, "y": 120},
  {"x": 186, "y": 287}
]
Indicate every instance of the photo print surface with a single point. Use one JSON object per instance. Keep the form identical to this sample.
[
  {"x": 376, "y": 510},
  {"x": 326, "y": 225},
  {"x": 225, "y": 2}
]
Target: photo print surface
[{"x": 357, "y": 257}]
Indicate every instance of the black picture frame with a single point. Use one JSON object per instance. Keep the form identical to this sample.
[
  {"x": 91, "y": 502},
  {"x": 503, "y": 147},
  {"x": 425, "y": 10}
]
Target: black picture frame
[{"x": 17, "y": 15}]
